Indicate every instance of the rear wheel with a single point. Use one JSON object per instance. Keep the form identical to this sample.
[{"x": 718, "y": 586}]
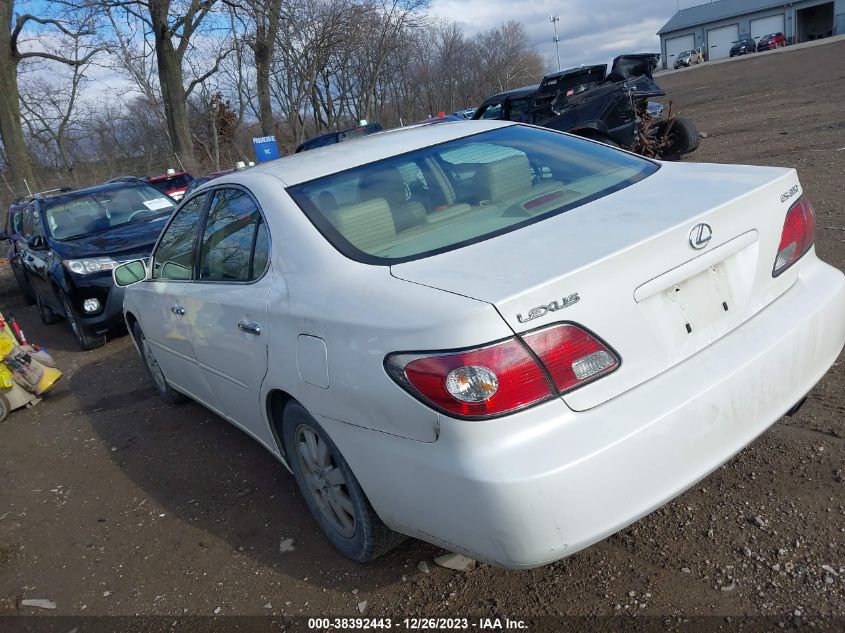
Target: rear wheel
[
  {"x": 167, "y": 393},
  {"x": 87, "y": 340},
  {"x": 683, "y": 138},
  {"x": 48, "y": 317},
  {"x": 331, "y": 491},
  {"x": 24, "y": 286}
]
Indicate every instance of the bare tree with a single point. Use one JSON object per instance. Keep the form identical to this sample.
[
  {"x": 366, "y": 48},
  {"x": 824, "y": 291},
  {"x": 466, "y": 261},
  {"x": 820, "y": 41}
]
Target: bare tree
[
  {"x": 265, "y": 16},
  {"x": 173, "y": 24},
  {"x": 18, "y": 158}
]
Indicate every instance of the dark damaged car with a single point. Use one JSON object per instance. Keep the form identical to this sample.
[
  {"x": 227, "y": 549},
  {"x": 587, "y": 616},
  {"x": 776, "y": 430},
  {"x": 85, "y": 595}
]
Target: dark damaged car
[
  {"x": 71, "y": 241},
  {"x": 612, "y": 108}
]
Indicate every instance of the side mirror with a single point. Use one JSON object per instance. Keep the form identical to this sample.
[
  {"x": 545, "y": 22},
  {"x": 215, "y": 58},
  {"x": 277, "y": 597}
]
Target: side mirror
[
  {"x": 36, "y": 242},
  {"x": 129, "y": 273}
]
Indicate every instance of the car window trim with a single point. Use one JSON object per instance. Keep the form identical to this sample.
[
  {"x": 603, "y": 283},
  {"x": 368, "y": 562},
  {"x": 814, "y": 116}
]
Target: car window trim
[
  {"x": 173, "y": 215},
  {"x": 203, "y": 221}
]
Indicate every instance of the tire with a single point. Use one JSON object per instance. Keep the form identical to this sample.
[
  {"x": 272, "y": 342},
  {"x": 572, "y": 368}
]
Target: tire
[
  {"x": 24, "y": 286},
  {"x": 87, "y": 340},
  {"x": 684, "y": 137},
  {"x": 5, "y": 407},
  {"x": 165, "y": 391},
  {"x": 48, "y": 317},
  {"x": 331, "y": 491}
]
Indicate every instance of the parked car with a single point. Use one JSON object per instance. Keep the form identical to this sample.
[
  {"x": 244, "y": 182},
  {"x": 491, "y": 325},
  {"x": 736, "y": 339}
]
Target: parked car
[
  {"x": 743, "y": 47},
  {"x": 773, "y": 40},
  {"x": 330, "y": 138},
  {"x": 612, "y": 108},
  {"x": 446, "y": 118},
  {"x": 173, "y": 183},
  {"x": 688, "y": 58},
  {"x": 201, "y": 180},
  {"x": 72, "y": 240},
  {"x": 12, "y": 233},
  {"x": 526, "y": 340}
]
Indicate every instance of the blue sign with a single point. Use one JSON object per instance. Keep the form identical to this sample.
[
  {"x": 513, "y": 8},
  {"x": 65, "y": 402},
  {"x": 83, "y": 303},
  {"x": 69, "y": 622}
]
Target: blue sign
[{"x": 265, "y": 148}]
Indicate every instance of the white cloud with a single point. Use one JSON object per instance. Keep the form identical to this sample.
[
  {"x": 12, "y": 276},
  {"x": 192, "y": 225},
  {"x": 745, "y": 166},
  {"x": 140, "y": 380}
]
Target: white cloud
[{"x": 590, "y": 32}]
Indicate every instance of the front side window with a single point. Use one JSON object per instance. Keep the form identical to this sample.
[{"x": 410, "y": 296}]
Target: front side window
[
  {"x": 174, "y": 257},
  {"x": 31, "y": 223},
  {"x": 518, "y": 110},
  {"x": 476, "y": 187},
  {"x": 235, "y": 240},
  {"x": 492, "y": 111}
]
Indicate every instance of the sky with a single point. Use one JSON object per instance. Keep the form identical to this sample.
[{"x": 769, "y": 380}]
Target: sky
[{"x": 590, "y": 31}]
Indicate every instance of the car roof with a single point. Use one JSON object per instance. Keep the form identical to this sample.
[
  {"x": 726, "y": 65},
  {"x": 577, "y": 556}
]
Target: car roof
[
  {"x": 108, "y": 186},
  {"x": 516, "y": 92},
  {"x": 322, "y": 161}
]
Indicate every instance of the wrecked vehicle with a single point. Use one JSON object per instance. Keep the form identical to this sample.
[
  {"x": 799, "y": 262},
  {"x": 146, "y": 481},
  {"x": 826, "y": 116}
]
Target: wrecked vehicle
[{"x": 612, "y": 108}]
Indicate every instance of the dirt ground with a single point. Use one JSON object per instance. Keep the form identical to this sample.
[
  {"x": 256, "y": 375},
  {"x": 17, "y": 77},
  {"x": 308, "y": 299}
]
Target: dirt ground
[{"x": 113, "y": 503}]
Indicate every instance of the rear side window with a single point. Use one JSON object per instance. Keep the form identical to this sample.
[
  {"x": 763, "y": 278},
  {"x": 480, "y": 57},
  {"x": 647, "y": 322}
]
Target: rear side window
[
  {"x": 472, "y": 189},
  {"x": 235, "y": 241},
  {"x": 174, "y": 257}
]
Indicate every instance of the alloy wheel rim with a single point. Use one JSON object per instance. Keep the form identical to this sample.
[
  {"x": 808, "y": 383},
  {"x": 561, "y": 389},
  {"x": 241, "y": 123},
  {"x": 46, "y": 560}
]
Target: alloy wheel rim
[{"x": 325, "y": 481}]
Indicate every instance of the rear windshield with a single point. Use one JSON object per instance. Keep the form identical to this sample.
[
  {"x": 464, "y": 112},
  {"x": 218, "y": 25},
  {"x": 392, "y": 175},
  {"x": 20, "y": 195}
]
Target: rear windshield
[
  {"x": 75, "y": 214},
  {"x": 447, "y": 196}
]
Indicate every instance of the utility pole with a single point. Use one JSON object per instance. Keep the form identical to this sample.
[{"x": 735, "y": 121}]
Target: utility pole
[{"x": 554, "y": 19}]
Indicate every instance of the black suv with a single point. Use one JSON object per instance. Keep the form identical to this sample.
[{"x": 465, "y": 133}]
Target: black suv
[
  {"x": 743, "y": 46},
  {"x": 70, "y": 242},
  {"x": 613, "y": 108}
]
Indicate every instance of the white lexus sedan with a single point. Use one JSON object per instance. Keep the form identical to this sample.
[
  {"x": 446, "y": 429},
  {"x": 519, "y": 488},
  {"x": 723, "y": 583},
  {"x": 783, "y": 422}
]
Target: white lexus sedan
[{"x": 501, "y": 339}]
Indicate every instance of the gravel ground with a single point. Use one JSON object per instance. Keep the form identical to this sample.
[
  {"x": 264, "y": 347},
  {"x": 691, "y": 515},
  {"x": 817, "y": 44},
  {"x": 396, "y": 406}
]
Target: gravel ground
[{"x": 112, "y": 503}]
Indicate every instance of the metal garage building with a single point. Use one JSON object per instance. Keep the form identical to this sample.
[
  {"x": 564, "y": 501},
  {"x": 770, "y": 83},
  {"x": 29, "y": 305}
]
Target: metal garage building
[{"x": 713, "y": 27}]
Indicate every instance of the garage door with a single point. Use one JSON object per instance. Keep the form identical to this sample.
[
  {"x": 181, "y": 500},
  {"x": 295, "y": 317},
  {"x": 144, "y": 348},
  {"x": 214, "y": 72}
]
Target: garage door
[
  {"x": 719, "y": 41},
  {"x": 678, "y": 45},
  {"x": 764, "y": 26}
]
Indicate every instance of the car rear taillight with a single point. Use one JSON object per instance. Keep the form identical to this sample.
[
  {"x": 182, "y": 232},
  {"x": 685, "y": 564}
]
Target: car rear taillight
[
  {"x": 507, "y": 376},
  {"x": 798, "y": 235},
  {"x": 572, "y": 356},
  {"x": 482, "y": 382}
]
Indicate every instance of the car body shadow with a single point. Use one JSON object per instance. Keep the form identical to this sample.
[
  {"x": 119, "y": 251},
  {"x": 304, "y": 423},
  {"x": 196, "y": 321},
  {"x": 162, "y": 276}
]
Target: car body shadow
[{"x": 208, "y": 473}]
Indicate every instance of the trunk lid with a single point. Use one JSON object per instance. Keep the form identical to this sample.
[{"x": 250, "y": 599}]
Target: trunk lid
[{"x": 624, "y": 267}]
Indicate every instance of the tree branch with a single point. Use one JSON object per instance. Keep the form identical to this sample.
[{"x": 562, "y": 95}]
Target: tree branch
[
  {"x": 207, "y": 74},
  {"x": 59, "y": 58}
]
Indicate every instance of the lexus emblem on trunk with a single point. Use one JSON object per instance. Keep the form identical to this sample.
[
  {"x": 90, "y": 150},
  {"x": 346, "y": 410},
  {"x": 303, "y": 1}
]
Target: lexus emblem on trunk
[{"x": 700, "y": 236}]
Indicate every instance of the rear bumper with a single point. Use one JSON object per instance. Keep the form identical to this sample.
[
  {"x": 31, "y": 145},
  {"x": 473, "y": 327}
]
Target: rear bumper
[{"x": 539, "y": 485}]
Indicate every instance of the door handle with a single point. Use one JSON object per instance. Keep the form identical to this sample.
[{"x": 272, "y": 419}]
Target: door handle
[
  {"x": 178, "y": 310},
  {"x": 249, "y": 328}
]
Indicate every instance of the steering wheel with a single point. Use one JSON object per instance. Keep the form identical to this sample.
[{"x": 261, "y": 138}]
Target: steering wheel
[{"x": 134, "y": 213}]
